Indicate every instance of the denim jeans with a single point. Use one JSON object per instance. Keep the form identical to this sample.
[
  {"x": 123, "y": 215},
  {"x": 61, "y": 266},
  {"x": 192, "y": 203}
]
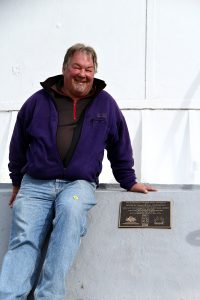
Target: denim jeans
[{"x": 39, "y": 205}]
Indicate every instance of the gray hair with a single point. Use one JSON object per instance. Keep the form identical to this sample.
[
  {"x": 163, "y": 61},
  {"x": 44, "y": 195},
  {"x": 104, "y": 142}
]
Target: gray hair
[{"x": 80, "y": 48}]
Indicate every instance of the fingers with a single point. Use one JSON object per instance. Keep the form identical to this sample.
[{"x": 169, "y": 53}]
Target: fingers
[
  {"x": 15, "y": 190},
  {"x": 142, "y": 188},
  {"x": 12, "y": 200},
  {"x": 151, "y": 189},
  {"x": 11, "y": 203}
]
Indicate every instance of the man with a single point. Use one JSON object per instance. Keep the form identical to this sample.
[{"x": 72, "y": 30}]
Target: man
[{"x": 56, "y": 154}]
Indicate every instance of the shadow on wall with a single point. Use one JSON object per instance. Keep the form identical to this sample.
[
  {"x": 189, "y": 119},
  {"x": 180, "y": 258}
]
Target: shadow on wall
[
  {"x": 137, "y": 140},
  {"x": 193, "y": 238},
  {"x": 192, "y": 89}
]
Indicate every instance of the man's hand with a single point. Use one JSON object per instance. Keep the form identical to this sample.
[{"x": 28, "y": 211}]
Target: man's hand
[
  {"x": 142, "y": 188},
  {"x": 13, "y": 195}
]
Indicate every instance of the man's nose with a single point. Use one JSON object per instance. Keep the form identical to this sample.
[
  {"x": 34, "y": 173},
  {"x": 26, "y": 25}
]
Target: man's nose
[{"x": 82, "y": 72}]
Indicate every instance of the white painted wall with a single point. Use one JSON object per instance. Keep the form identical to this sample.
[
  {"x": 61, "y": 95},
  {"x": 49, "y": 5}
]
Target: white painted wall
[{"x": 148, "y": 54}]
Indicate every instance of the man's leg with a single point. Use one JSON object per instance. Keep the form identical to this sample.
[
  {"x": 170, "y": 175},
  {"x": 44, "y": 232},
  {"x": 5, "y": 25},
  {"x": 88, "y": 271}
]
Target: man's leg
[
  {"x": 32, "y": 216},
  {"x": 71, "y": 207}
]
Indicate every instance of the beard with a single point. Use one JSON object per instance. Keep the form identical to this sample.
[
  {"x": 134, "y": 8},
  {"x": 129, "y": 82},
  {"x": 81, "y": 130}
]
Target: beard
[{"x": 81, "y": 87}]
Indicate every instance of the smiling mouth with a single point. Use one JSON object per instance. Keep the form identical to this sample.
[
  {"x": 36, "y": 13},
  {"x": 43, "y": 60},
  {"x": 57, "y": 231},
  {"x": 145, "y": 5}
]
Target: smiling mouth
[{"x": 80, "y": 81}]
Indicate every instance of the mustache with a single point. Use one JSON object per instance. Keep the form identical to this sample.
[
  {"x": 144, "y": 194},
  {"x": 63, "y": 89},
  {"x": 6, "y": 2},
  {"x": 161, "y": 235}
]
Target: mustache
[{"x": 80, "y": 79}]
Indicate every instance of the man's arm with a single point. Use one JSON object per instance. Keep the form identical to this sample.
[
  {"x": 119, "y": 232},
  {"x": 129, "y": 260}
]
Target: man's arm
[
  {"x": 18, "y": 147},
  {"x": 121, "y": 157},
  {"x": 17, "y": 150},
  {"x": 21, "y": 140},
  {"x": 17, "y": 157}
]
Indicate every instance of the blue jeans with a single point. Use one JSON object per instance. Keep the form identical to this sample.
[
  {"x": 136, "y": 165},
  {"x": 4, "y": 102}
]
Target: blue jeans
[{"x": 39, "y": 205}]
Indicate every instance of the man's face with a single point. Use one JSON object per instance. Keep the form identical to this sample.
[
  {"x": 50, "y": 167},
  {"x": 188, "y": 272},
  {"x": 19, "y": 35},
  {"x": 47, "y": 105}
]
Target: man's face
[{"x": 78, "y": 75}]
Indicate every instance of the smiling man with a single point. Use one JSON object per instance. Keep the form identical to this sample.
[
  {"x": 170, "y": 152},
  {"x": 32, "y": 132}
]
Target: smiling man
[
  {"x": 78, "y": 75},
  {"x": 56, "y": 154}
]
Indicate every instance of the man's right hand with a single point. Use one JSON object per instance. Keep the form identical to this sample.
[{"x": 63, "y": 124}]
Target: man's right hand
[{"x": 13, "y": 195}]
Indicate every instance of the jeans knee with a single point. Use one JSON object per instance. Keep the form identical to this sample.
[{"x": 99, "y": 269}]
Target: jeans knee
[
  {"x": 71, "y": 217},
  {"x": 71, "y": 207}
]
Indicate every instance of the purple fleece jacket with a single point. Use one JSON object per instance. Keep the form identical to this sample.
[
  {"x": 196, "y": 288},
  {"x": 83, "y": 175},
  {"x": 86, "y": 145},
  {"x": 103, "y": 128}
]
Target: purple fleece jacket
[{"x": 33, "y": 147}]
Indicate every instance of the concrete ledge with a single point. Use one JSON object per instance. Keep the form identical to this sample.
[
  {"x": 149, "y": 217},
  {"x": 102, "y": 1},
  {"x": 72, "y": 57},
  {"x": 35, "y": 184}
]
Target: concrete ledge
[{"x": 132, "y": 264}]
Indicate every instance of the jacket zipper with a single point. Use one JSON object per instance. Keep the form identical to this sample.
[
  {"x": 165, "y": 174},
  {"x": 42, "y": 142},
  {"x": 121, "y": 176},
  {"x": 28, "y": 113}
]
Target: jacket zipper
[{"x": 75, "y": 110}]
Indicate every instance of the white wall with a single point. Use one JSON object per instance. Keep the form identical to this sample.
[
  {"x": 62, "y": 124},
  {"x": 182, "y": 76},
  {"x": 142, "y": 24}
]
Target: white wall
[{"x": 148, "y": 54}]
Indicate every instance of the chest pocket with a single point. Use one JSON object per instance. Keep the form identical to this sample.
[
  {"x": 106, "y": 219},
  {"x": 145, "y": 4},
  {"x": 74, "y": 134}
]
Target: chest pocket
[
  {"x": 101, "y": 118},
  {"x": 100, "y": 121},
  {"x": 99, "y": 124}
]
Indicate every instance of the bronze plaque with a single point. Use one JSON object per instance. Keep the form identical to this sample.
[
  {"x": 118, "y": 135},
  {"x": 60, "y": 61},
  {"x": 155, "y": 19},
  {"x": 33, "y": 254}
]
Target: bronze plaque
[{"x": 145, "y": 214}]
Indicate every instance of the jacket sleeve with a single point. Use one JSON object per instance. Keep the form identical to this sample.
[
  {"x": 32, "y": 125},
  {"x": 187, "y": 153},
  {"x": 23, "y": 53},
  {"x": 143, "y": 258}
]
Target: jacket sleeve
[
  {"x": 18, "y": 145},
  {"x": 119, "y": 151}
]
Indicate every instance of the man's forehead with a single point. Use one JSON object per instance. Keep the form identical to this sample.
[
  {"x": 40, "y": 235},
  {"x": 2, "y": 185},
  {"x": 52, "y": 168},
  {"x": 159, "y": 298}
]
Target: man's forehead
[{"x": 81, "y": 56}]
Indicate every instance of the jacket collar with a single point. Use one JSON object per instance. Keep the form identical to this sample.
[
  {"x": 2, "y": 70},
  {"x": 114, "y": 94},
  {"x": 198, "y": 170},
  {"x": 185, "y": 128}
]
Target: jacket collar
[{"x": 55, "y": 83}]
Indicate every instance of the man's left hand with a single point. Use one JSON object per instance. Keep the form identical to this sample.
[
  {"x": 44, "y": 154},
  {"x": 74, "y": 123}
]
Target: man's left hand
[{"x": 142, "y": 188}]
